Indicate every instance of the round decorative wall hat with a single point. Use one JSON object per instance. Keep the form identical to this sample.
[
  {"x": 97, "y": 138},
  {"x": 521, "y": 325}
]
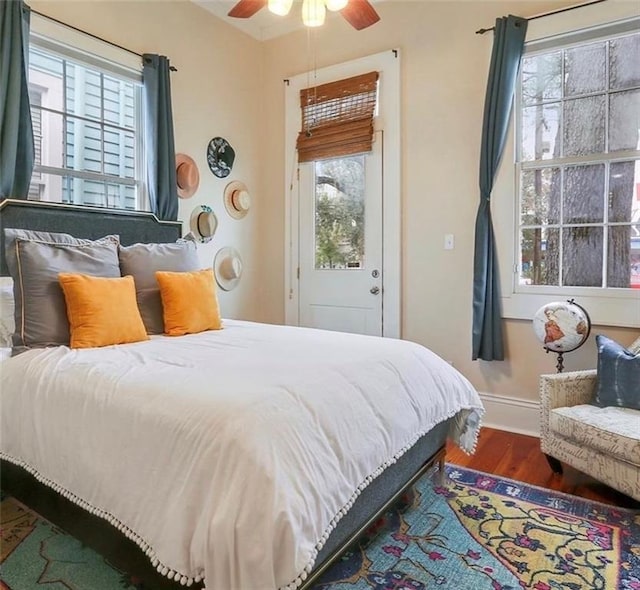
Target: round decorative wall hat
[
  {"x": 220, "y": 157},
  {"x": 203, "y": 223},
  {"x": 187, "y": 176},
  {"x": 237, "y": 199},
  {"x": 227, "y": 267}
]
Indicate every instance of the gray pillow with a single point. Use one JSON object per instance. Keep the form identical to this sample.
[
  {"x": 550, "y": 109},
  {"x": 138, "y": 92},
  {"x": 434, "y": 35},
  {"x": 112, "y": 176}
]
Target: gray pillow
[
  {"x": 142, "y": 261},
  {"x": 618, "y": 375},
  {"x": 34, "y": 260}
]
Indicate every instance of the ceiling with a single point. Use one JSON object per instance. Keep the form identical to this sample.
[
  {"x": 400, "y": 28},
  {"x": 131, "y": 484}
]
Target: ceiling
[{"x": 263, "y": 25}]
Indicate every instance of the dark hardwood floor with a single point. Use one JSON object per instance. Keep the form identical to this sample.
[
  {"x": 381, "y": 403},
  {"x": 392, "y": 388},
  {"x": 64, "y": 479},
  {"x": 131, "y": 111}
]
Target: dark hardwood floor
[{"x": 518, "y": 457}]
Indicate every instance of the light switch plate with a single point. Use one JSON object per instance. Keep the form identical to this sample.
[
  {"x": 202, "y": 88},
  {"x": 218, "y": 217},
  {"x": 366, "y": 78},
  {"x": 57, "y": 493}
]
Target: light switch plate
[{"x": 448, "y": 241}]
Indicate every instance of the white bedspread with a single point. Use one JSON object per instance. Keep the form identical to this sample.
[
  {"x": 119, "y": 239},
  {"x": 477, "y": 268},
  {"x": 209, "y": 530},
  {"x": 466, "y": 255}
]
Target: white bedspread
[{"x": 228, "y": 455}]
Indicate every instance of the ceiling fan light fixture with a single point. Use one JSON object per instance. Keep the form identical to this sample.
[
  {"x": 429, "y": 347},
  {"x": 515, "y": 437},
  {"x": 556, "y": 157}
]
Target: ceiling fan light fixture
[
  {"x": 280, "y": 7},
  {"x": 336, "y": 5},
  {"x": 358, "y": 13},
  {"x": 313, "y": 13}
]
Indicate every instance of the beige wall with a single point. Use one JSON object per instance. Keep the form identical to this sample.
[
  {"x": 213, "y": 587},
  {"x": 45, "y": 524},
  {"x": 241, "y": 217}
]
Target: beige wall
[
  {"x": 444, "y": 70},
  {"x": 214, "y": 94},
  {"x": 231, "y": 85}
]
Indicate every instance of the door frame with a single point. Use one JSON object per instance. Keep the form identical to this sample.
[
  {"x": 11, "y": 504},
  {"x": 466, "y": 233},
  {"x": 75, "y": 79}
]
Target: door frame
[{"x": 387, "y": 64}]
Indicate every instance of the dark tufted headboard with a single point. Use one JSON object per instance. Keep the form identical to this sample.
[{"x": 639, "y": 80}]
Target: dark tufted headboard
[{"x": 84, "y": 222}]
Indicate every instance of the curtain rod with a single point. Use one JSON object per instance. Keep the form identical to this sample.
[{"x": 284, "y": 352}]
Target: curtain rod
[
  {"x": 567, "y": 9},
  {"x": 55, "y": 20}
]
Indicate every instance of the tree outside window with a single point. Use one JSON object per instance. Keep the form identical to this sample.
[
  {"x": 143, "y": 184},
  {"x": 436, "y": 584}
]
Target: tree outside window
[
  {"x": 579, "y": 161},
  {"x": 339, "y": 213}
]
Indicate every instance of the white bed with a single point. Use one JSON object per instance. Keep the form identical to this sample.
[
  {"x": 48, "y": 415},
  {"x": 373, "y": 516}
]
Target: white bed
[{"x": 227, "y": 455}]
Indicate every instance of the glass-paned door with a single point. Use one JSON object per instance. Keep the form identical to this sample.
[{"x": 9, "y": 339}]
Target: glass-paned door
[{"x": 341, "y": 274}]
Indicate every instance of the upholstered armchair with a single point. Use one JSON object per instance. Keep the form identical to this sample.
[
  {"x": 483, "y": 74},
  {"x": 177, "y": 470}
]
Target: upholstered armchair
[{"x": 602, "y": 442}]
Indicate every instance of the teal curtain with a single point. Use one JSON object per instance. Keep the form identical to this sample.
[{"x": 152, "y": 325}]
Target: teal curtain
[
  {"x": 159, "y": 142},
  {"x": 16, "y": 133},
  {"x": 508, "y": 45}
]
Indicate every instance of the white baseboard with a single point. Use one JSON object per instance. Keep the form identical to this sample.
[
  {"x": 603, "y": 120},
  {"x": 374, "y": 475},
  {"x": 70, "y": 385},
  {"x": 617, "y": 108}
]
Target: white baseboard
[{"x": 511, "y": 414}]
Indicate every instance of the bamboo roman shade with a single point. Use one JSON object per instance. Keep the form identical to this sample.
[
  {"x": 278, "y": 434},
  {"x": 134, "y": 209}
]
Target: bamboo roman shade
[{"x": 337, "y": 118}]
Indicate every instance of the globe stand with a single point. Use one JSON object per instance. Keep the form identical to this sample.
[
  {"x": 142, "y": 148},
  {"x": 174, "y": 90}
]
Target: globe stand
[{"x": 560, "y": 363}]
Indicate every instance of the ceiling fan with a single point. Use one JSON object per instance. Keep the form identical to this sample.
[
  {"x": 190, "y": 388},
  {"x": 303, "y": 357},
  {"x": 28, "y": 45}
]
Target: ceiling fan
[{"x": 358, "y": 13}]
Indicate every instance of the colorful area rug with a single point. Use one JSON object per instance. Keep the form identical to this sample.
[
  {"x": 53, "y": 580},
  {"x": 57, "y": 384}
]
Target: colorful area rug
[
  {"x": 477, "y": 532},
  {"x": 36, "y": 554},
  {"x": 482, "y": 531}
]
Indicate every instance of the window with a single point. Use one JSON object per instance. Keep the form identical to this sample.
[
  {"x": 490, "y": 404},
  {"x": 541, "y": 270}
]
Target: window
[
  {"x": 339, "y": 212},
  {"x": 87, "y": 128},
  {"x": 578, "y": 165}
]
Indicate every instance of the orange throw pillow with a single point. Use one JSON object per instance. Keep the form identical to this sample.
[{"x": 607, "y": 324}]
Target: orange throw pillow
[
  {"x": 101, "y": 311},
  {"x": 189, "y": 302}
]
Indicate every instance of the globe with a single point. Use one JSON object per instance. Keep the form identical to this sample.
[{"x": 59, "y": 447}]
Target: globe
[{"x": 562, "y": 326}]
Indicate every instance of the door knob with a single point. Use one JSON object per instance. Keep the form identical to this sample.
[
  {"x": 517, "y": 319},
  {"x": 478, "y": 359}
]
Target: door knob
[{"x": 374, "y": 290}]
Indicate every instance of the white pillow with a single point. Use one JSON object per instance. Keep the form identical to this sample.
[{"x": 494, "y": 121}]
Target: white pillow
[{"x": 7, "y": 319}]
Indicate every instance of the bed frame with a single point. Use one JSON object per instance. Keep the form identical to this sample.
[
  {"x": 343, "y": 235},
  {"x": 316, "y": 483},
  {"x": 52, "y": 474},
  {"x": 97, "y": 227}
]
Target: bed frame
[
  {"x": 92, "y": 223},
  {"x": 84, "y": 222}
]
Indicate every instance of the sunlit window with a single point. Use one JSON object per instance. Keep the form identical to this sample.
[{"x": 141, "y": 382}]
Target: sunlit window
[
  {"x": 339, "y": 212},
  {"x": 579, "y": 165},
  {"x": 87, "y": 131}
]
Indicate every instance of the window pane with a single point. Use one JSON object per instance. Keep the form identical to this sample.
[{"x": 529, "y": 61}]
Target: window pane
[
  {"x": 623, "y": 258},
  {"x": 583, "y": 199},
  {"x": 635, "y": 257},
  {"x": 340, "y": 192},
  {"x": 624, "y": 62},
  {"x": 584, "y": 69},
  {"x": 45, "y": 78},
  {"x": 79, "y": 191},
  {"x": 83, "y": 91},
  {"x": 542, "y": 78},
  {"x": 49, "y": 140},
  {"x": 47, "y": 187},
  {"x": 624, "y": 121},
  {"x": 624, "y": 191},
  {"x": 120, "y": 196},
  {"x": 87, "y": 192},
  {"x": 539, "y": 256},
  {"x": 583, "y": 126},
  {"x": 119, "y": 102},
  {"x": 582, "y": 256},
  {"x": 119, "y": 153},
  {"x": 540, "y": 137},
  {"x": 84, "y": 146},
  {"x": 540, "y": 201}
]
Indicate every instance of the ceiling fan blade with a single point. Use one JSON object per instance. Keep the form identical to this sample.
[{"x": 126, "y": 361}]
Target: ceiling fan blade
[
  {"x": 246, "y": 8},
  {"x": 360, "y": 14}
]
